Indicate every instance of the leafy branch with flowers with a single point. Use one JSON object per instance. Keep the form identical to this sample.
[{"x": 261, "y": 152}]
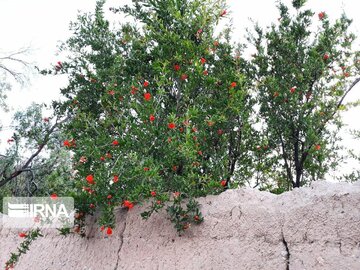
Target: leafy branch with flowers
[
  {"x": 29, "y": 237},
  {"x": 303, "y": 77},
  {"x": 150, "y": 119},
  {"x": 161, "y": 109}
]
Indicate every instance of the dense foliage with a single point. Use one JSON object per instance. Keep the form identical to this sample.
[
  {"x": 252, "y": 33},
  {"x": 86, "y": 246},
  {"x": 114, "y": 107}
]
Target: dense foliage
[
  {"x": 302, "y": 79},
  {"x": 162, "y": 110},
  {"x": 35, "y": 163},
  {"x": 158, "y": 107}
]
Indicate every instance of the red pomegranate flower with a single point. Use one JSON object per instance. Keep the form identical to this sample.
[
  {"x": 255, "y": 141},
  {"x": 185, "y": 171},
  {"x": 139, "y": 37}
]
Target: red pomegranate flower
[
  {"x": 116, "y": 179},
  {"x": 22, "y": 235},
  {"x": 128, "y": 204},
  {"x": 233, "y": 84},
  {"x": 326, "y": 56},
  {"x": 176, "y": 67},
  {"x": 111, "y": 92},
  {"x": 146, "y": 84},
  {"x": 146, "y": 169},
  {"x": 321, "y": 15},
  {"x": 134, "y": 90},
  {"x": 109, "y": 196},
  {"x": 90, "y": 179},
  {"x": 92, "y": 206},
  {"x": 205, "y": 72},
  {"x": 109, "y": 231},
  {"x": 153, "y": 193},
  {"x": 115, "y": 143},
  {"x": 184, "y": 77},
  {"x": 70, "y": 143},
  {"x": 293, "y": 89},
  {"x": 223, "y": 183},
  {"x": 223, "y": 13},
  {"x": 147, "y": 96},
  {"x": 66, "y": 143},
  {"x": 53, "y": 196},
  {"x": 58, "y": 66},
  {"x": 203, "y": 60},
  {"x": 171, "y": 125},
  {"x": 317, "y": 147},
  {"x": 152, "y": 118}
]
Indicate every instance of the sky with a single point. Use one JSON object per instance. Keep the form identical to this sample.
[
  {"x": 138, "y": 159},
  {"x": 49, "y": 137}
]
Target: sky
[{"x": 43, "y": 24}]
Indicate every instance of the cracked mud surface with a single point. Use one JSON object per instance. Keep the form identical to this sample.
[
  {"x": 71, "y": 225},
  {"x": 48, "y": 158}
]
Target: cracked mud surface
[{"x": 309, "y": 228}]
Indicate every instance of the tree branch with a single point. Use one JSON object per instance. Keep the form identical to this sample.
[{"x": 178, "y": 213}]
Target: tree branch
[
  {"x": 305, "y": 154},
  {"x": 25, "y": 166},
  {"x": 12, "y": 57}
]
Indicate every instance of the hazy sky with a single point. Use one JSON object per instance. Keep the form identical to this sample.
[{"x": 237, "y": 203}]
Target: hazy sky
[{"x": 41, "y": 24}]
